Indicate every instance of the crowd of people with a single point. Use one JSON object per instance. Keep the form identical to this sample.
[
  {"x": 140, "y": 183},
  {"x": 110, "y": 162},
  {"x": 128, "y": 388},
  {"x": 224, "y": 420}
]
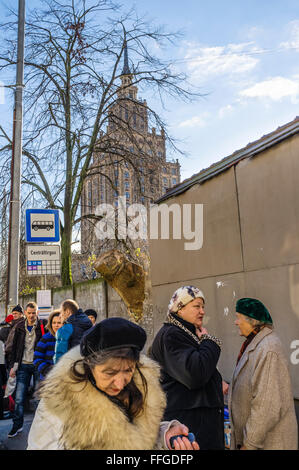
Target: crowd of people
[{"x": 98, "y": 389}]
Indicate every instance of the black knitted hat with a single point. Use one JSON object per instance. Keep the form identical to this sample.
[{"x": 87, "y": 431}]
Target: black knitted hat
[
  {"x": 91, "y": 312},
  {"x": 112, "y": 333},
  {"x": 17, "y": 308}
]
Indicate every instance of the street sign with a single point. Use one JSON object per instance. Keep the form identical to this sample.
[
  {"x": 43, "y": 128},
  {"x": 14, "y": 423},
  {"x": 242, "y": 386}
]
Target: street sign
[
  {"x": 42, "y": 225},
  {"x": 43, "y": 300},
  {"x": 43, "y": 260}
]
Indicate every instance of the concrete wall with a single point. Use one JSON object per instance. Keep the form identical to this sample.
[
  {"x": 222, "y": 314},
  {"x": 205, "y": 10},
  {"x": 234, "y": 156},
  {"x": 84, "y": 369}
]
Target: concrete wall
[
  {"x": 250, "y": 249},
  {"x": 88, "y": 294},
  {"x": 60, "y": 294}
]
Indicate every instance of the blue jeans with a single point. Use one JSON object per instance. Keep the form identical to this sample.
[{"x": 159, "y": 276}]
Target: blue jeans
[{"x": 24, "y": 374}]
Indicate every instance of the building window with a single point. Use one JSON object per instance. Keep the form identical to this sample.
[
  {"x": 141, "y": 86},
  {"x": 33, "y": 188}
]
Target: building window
[
  {"x": 127, "y": 174},
  {"x": 173, "y": 180},
  {"x": 127, "y": 185},
  {"x": 165, "y": 181},
  {"x": 127, "y": 195},
  {"x": 173, "y": 170},
  {"x": 89, "y": 194}
]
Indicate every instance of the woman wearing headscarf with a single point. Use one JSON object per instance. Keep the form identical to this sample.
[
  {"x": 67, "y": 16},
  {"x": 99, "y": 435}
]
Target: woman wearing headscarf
[
  {"x": 104, "y": 395},
  {"x": 261, "y": 402},
  {"x": 188, "y": 356}
]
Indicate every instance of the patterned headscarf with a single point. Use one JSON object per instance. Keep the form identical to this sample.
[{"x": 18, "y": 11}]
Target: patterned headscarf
[{"x": 182, "y": 297}]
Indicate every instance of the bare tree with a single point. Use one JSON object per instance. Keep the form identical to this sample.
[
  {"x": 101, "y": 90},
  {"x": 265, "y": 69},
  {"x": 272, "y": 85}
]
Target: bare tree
[{"x": 73, "y": 63}]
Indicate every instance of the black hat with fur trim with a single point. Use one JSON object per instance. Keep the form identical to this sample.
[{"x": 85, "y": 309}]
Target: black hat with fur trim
[{"x": 112, "y": 333}]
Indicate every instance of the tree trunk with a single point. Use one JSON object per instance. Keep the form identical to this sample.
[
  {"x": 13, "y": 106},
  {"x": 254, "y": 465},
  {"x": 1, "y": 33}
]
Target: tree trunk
[{"x": 66, "y": 258}]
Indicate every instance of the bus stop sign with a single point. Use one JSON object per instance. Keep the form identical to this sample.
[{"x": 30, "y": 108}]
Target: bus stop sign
[{"x": 42, "y": 225}]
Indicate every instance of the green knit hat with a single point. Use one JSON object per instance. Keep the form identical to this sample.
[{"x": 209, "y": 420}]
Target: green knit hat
[{"x": 253, "y": 308}]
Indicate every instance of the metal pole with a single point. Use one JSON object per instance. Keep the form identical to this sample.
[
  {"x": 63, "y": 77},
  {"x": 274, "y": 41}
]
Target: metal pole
[{"x": 14, "y": 235}]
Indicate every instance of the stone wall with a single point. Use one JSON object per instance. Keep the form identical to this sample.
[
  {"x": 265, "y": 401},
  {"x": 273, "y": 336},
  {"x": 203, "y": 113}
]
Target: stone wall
[{"x": 95, "y": 294}]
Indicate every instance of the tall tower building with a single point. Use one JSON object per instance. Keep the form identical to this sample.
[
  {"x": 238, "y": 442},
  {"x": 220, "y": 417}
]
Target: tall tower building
[{"x": 131, "y": 161}]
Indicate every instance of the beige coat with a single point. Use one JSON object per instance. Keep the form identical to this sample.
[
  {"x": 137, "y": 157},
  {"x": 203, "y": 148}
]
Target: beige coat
[
  {"x": 78, "y": 417},
  {"x": 261, "y": 402}
]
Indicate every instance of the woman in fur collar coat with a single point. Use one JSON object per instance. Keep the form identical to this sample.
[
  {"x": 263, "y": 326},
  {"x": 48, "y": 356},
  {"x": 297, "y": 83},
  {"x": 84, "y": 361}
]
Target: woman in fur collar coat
[{"x": 102, "y": 395}]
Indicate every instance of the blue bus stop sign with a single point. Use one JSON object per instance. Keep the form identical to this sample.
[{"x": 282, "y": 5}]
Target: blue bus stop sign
[{"x": 42, "y": 225}]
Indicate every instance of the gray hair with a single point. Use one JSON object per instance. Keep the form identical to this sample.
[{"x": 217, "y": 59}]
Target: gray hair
[{"x": 257, "y": 323}]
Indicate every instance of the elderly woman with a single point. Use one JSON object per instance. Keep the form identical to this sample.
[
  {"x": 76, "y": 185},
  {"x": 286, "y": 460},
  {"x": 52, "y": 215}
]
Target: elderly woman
[
  {"x": 260, "y": 398},
  {"x": 188, "y": 356},
  {"x": 104, "y": 395}
]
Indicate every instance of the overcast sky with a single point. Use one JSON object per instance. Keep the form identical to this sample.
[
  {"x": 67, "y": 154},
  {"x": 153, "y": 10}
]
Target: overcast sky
[{"x": 244, "y": 56}]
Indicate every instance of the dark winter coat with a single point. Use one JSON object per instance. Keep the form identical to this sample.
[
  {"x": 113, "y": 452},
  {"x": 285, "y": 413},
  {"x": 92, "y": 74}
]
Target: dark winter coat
[
  {"x": 4, "y": 332},
  {"x": 18, "y": 344},
  {"x": 6, "y": 329},
  {"x": 9, "y": 339},
  {"x": 70, "y": 334},
  {"x": 191, "y": 381},
  {"x": 43, "y": 354}
]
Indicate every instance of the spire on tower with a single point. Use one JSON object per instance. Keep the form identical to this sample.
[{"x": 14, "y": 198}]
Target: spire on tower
[{"x": 126, "y": 69}]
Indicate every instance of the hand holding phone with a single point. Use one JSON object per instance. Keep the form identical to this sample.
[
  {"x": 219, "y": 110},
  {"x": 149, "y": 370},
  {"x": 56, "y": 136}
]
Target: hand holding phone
[{"x": 190, "y": 437}]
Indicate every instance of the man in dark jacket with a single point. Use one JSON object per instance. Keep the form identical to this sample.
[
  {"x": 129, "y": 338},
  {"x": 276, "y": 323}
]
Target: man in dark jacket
[
  {"x": 7, "y": 332},
  {"x": 27, "y": 333},
  {"x": 75, "y": 325},
  {"x": 188, "y": 356}
]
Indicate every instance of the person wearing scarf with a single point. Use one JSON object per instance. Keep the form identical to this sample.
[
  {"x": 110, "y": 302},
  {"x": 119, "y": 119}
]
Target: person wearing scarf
[
  {"x": 261, "y": 404},
  {"x": 188, "y": 356}
]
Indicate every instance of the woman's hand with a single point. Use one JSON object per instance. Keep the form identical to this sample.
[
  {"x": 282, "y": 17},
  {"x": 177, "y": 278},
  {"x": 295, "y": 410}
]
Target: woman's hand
[
  {"x": 201, "y": 331},
  {"x": 225, "y": 387},
  {"x": 180, "y": 443}
]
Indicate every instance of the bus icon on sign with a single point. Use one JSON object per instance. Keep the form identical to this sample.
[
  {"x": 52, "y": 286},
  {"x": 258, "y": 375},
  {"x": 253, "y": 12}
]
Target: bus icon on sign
[{"x": 42, "y": 225}]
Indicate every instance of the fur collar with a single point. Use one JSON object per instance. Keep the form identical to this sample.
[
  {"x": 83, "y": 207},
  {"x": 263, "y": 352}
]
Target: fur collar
[{"x": 91, "y": 421}]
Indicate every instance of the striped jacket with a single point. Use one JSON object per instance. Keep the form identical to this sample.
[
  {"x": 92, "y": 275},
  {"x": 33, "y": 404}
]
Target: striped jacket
[{"x": 43, "y": 354}]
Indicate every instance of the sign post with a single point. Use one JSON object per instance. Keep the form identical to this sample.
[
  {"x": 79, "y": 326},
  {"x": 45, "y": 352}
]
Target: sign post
[{"x": 42, "y": 257}]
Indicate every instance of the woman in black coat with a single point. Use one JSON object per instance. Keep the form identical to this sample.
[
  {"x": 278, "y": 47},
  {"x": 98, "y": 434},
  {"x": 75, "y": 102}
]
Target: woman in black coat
[{"x": 188, "y": 356}]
